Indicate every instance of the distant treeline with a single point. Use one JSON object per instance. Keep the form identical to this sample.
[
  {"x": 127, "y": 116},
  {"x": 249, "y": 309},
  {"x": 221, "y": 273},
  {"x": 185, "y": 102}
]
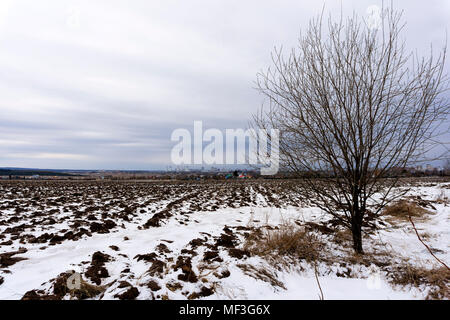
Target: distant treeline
[{"x": 26, "y": 172}]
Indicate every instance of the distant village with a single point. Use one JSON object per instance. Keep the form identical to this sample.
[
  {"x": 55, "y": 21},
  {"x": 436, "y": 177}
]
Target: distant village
[
  {"x": 182, "y": 173},
  {"x": 20, "y": 174}
]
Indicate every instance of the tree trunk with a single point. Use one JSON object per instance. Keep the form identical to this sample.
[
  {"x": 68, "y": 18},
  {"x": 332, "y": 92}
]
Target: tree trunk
[
  {"x": 357, "y": 237},
  {"x": 357, "y": 218}
]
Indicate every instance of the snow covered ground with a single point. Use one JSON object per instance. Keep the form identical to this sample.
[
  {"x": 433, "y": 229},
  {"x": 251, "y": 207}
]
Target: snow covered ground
[{"x": 195, "y": 249}]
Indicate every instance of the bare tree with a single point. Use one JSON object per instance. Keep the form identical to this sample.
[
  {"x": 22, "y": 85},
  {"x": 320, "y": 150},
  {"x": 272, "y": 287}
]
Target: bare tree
[{"x": 352, "y": 106}]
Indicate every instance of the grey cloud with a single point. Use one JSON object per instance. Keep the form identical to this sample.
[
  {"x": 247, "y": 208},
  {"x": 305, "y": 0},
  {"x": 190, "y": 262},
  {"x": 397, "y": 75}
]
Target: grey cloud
[{"x": 108, "y": 90}]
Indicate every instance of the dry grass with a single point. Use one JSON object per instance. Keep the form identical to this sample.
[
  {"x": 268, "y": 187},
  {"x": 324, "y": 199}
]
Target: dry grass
[
  {"x": 288, "y": 240},
  {"x": 402, "y": 209},
  {"x": 343, "y": 237},
  {"x": 437, "y": 279},
  {"x": 262, "y": 274},
  {"x": 442, "y": 198},
  {"x": 87, "y": 291}
]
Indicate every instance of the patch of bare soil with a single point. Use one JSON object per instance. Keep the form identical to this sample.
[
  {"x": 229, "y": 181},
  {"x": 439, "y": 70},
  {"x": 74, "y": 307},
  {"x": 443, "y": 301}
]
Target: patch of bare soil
[
  {"x": 7, "y": 259},
  {"x": 153, "y": 285},
  {"x": 204, "y": 292},
  {"x": 131, "y": 294},
  {"x": 157, "y": 268},
  {"x": 97, "y": 271},
  {"x": 188, "y": 275}
]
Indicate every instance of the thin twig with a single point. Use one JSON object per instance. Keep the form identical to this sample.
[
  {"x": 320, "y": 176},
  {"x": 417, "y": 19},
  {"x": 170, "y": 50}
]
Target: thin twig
[
  {"x": 426, "y": 246},
  {"x": 318, "y": 283}
]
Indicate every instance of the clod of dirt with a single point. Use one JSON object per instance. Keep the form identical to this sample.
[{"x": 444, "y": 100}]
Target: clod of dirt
[
  {"x": 115, "y": 248},
  {"x": 193, "y": 296},
  {"x": 204, "y": 292},
  {"x": 224, "y": 274},
  {"x": 188, "y": 275},
  {"x": 153, "y": 285},
  {"x": 34, "y": 295},
  {"x": 189, "y": 252},
  {"x": 7, "y": 259},
  {"x": 226, "y": 240},
  {"x": 227, "y": 230},
  {"x": 130, "y": 294},
  {"x": 41, "y": 239},
  {"x": 149, "y": 257},
  {"x": 152, "y": 222},
  {"x": 123, "y": 284},
  {"x": 99, "y": 258},
  {"x": 238, "y": 253},
  {"x": 174, "y": 286},
  {"x": 157, "y": 268},
  {"x": 162, "y": 248},
  {"x": 102, "y": 227},
  {"x": 56, "y": 239},
  {"x": 242, "y": 228},
  {"x": 196, "y": 242},
  {"x": 212, "y": 256},
  {"x": 96, "y": 273}
]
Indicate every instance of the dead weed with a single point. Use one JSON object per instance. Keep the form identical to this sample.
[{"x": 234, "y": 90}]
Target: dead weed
[
  {"x": 437, "y": 279},
  {"x": 402, "y": 209},
  {"x": 288, "y": 240}
]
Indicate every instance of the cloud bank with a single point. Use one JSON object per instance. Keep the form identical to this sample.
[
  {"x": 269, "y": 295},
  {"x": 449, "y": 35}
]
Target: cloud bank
[{"x": 102, "y": 84}]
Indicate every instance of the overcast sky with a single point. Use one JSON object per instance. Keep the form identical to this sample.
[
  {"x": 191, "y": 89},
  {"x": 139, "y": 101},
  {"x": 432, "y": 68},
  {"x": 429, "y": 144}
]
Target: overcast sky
[{"x": 102, "y": 84}]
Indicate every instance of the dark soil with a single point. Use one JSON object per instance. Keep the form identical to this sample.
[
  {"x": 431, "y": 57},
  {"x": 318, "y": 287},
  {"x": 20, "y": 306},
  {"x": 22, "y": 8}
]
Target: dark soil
[
  {"x": 212, "y": 256},
  {"x": 185, "y": 264},
  {"x": 150, "y": 257},
  {"x": 153, "y": 285},
  {"x": 157, "y": 268},
  {"x": 38, "y": 295},
  {"x": 130, "y": 294},
  {"x": 7, "y": 259},
  {"x": 238, "y": 253},
  {"x": 123, "y": 284},
  {"x": 226, "y": 240},
  {"x": 96, "y": 272}
]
